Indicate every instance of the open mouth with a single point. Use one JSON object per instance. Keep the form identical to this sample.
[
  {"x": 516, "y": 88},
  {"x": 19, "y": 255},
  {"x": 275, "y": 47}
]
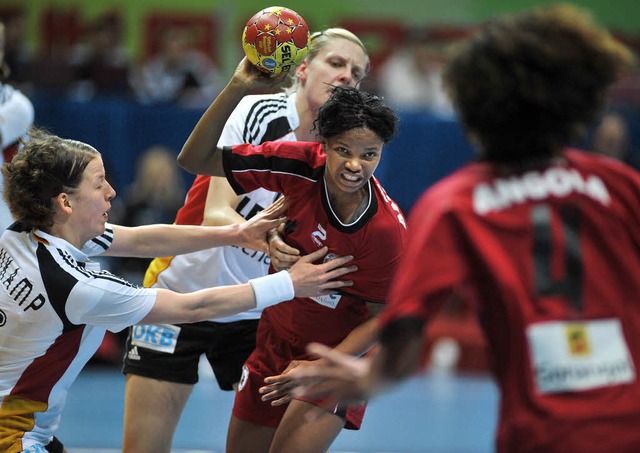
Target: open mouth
[{"x": 351, "y": 179}]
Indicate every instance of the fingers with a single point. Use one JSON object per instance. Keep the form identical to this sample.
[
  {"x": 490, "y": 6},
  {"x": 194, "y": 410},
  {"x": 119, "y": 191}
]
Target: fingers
[
  {"x": 276, "y": 208},
  {"x": 282, "y": 247},
  {"x": 274, "y": 223},
  {"x": 278, "y": 390},
  {"x": 315, "y": 256},
  {"x": 318, "y": 349}
]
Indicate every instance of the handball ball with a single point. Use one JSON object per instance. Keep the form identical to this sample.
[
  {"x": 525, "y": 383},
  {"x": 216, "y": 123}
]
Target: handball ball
[{"x": 276, "y": 40}]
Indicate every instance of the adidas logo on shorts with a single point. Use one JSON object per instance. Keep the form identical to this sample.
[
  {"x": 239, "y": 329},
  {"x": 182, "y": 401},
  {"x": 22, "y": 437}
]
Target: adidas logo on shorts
[{"x": 133, "y": 354}]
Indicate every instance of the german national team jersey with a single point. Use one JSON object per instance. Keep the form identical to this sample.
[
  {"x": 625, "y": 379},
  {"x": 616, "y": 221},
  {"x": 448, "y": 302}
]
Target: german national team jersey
[
  {"x": 375, "y": 239},
  {"x": 55, "y": 306},
  {"x": 550, "y": 259},
  {"x": 256, "y": 119}
]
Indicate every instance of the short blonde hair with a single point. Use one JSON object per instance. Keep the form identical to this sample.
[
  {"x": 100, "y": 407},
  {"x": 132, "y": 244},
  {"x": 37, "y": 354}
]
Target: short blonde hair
[{"x": 320, "y": 39}]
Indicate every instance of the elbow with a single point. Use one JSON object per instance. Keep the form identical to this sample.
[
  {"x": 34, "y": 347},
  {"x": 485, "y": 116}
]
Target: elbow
[{"x": 184, "y": 162}]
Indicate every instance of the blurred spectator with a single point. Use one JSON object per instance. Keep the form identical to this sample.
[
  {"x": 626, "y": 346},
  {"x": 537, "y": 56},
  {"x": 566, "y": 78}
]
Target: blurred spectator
[
  {"x": 100, "y": 64},
  {"x": 411, "y": 77},
  {"x": 611, "y": 137},
  {"x": 16, "y": 54},
  {"x": 16, "y": 117},
  {"x": 178, "y": 73},
  {"x": 155, "y": 196}
]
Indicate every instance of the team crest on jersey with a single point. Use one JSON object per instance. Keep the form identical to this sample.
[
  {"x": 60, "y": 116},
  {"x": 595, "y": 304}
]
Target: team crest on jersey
[
  {"x": 328, "y": 300},
  {"x": 330, "y": 257}
]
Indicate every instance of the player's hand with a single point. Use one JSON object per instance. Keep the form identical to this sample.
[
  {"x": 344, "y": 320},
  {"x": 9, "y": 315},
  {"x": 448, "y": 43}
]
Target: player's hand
[
  {"x": 282, "y": 255},
  {"x": 278, "y": 388},
  {"x": 337, "y": 377},
  {"x": 311, "y": 280},
  {"x": 250, "y": 78},
  {"x": 253, "y": 233}
]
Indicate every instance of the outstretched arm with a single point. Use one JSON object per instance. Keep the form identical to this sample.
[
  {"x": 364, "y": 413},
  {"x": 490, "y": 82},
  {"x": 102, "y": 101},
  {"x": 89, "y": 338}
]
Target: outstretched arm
[
  {"x": 304, "y": 279},
  {"x": 168, "y": 240},
  {"x": 200, "y": 153},
  {"x": 344, "y": 378}
]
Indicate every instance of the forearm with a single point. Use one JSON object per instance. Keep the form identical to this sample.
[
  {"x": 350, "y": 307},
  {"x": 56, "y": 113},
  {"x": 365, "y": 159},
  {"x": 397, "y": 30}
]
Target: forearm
[
  {"x": 200, "y": 153},
  {"x": 401, "y": 348},
  {"x": 149, "y": 241},
  {"x": 221, "y": 217},
  {"x": 200, "y": 305},
  {"x": 360, "y": 339},
  {"x": 221, "y": 301}
]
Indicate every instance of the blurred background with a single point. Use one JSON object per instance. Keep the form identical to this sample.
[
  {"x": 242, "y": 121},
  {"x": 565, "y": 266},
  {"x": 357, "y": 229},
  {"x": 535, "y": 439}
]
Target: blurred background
[
  {"x": 133, "y": 77},
  {"x": 128, "y": 76}
]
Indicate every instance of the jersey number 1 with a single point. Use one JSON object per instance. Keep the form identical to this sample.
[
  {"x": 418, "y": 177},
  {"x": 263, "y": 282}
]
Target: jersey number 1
[{"x": 570, "y": 286}]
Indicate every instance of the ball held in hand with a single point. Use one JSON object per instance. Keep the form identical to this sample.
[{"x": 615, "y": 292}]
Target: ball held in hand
[{"x": 276, "y": 40}]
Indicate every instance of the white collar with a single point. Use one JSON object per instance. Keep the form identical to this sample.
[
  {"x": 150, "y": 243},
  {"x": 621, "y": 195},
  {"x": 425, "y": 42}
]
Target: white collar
[{"x": 60, "y": 243}]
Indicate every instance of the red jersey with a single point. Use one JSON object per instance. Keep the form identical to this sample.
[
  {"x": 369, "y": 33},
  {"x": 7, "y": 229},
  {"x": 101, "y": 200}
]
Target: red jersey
[
  {"x": 550, "y": 259},
  {"x": 376, "y": 239}
]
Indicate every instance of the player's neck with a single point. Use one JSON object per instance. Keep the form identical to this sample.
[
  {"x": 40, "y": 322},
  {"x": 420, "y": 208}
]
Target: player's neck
[{"x": 304, "y": 132}]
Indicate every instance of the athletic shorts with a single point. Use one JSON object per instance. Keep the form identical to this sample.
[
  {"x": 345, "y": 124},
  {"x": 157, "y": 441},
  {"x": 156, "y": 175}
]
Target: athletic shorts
[
  {"x": 172, "y": 353},
  {"x": 271, "y": 357},
  {"x": 55, "y": 446}
]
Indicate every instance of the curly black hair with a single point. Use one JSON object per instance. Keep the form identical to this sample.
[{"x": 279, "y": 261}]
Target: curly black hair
[
  {"x": 349, "y": 108},
  {"x": 527, "y": 85}
]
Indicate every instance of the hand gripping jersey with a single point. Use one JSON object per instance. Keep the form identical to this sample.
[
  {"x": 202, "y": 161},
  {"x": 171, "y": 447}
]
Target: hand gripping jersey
[
  {"x": 55, "y": 306},
  {"x": 375, "y": 239},
  {"x": 256, "y": 119},
  {"x": 550, "y": 259}
]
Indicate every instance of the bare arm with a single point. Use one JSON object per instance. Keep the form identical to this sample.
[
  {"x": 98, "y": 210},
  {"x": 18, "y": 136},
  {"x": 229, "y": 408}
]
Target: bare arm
[
  {"x": 360, "y": 340},
  {"x": 200, "y": 153},
  {"x": 168, "y": 240},
  {"x": 344, "y": 378},
  {"x": 308, "y": 280},
  {"x": 221, "y": 203}
]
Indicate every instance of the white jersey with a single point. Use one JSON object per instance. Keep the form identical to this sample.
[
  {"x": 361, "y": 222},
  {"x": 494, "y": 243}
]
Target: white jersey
[
  {"x": 16, "y": 118},
  {"x": 256, "y": 119},
  {"x": 55, "y": 307}
]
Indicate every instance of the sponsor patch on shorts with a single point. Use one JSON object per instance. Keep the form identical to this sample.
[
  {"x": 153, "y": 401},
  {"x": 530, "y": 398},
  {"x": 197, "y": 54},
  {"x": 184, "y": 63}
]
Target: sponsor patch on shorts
[{"x": 158, "y": 337}]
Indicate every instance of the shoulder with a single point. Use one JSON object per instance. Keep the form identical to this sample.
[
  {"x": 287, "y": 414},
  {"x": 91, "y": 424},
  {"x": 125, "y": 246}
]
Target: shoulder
[
  {"x": 100, "y": 244},
  {"x": 263, "y": 118},
  {"x": 255, "y": 106}
]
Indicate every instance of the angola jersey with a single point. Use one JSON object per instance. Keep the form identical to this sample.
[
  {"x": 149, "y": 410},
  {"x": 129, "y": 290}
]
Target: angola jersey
[
  {"x": 375, "y": 239},
  {"x": 256, "y": 119},
  {"x": 550, "y": 259},
  {"x": 55, "y": 307}
]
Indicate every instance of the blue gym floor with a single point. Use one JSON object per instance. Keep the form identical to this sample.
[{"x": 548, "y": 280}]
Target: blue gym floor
[{"x": 435, "y": 413}]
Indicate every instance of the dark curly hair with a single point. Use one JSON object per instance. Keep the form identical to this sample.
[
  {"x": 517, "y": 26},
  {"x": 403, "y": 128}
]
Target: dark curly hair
[
  {"x": 349, "y": 108},
  {"x": 46, "y": 166},
  {"x": 528, "y": 84}
]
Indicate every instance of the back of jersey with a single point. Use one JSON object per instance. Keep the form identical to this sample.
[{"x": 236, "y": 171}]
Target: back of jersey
[{"x": 556, "y": 266}]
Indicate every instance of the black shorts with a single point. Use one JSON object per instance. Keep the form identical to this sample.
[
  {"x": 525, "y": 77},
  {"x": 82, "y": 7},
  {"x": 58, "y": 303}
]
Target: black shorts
[
  {"x": 55, "y": 446},
  {"x": 172, "y": 352}
]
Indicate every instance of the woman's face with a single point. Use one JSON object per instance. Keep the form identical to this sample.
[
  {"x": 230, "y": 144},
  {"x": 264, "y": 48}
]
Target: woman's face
[
  {"x": 91, "y": 201},
  {"x": 339, "y": 62},
  {"x": 352, "y": 157}
]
